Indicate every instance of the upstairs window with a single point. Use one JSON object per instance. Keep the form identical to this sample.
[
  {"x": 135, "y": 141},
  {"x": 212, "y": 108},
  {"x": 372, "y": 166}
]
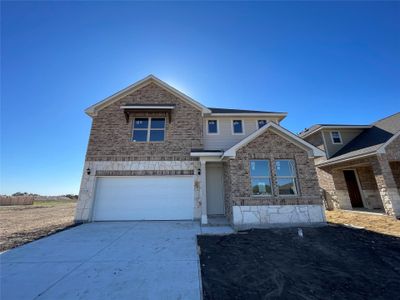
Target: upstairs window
[
  {"x": 237, "y": 126},
  {"x": 336, "y": 137},
  {"x": 260, "y": 174},
  {"x": 148, "y": 129},
  {"x": 286, "y": 176},
  {"x": 212, "y": 127},
  {"x": 261, "y": 123}
]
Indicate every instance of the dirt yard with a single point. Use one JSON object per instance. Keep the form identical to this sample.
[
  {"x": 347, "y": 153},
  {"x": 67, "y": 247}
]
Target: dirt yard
[
  {"x": 24, "y": 223},
  {"x": 373, "y": 222},
  {"x": 330, "y": 262}
]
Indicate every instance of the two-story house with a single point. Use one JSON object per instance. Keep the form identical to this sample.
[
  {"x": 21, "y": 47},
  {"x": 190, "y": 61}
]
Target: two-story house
[
  {"x": 362, "y": 164},
  {"x": 156, "y": 154}
]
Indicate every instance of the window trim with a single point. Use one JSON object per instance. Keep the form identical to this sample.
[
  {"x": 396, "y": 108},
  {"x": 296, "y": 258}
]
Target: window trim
[
  {"x": 340, "y": 137},
  {"x": 212, "y": 133},
  {"x": 148, "y": 129},
  {"x": 233, "y": 129},
  {"x": 270, "y": 178},
  {"x": 296, "y": 184},
  {"x": 257, "y": 126}
]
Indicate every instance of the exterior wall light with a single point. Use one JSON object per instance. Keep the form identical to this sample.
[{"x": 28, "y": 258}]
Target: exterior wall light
[
  {"x": 199, "y": 172},
  {"x": 88, "y": 171}
]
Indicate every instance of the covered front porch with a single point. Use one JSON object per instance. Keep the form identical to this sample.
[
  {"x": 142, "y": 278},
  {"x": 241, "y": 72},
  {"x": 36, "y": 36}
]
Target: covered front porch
[{"x": 371, "y": 183}]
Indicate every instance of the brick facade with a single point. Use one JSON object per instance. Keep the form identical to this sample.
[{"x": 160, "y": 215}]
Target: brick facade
[
  {"x": 111, "y": 137},
  {"x": 270, "y": 146}
]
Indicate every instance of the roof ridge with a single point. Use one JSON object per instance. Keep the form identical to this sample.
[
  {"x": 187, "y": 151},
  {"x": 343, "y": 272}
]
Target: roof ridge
[{"x": 380, "y": 120}]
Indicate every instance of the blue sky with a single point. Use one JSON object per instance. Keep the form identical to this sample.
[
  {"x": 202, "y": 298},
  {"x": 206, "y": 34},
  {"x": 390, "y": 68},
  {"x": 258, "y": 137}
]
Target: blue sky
[{"x": 322, "y": 62}]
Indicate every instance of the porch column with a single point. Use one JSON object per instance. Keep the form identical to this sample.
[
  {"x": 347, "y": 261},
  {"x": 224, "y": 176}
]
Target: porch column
[
  {"x": 341, "y": 196},
  {"x": 203, "y": 192},
  {"x": 386, "y": 185}
]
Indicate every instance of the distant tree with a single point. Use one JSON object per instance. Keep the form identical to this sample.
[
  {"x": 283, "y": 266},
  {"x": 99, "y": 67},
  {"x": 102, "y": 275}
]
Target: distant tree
[{"x": 20, "y": 194}]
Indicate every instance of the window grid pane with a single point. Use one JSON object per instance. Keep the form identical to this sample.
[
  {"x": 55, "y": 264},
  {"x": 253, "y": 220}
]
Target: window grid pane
[
  {"x": 237, "y": 126},
  {"x": 286, "y": 177},
  {"x": 261, "y": 183},
  {"x": 148, "y": 130},
  {"x": 261, "y": 123},
  {"x": 212, "y": 126}
]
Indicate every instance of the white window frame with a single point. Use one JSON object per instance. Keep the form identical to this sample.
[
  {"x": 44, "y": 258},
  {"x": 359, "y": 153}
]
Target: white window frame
[
  {"x": 257, "y": 126},
  {"x": 149, "y": 129},
  {"x": 340, "y": 137},
  {"x": 296, "y": 185},
  {"x": 269, "y": 176},
  {"x": 212, "y": 133},
  {"x": 233, "y": 130}
]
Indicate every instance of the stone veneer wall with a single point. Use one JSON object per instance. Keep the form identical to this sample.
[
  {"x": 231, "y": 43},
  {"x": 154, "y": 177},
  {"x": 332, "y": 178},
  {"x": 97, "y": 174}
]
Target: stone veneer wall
[
  {"x": 395, "y": 166},
  {"x": 393, "y": 150},
  {"x": 369, "y": 189},
  {"x": 271, "y": 215},
  {"x": 111, "y": 136},
  {"x": 132, "y": 168},
  {"x": 270, "y": 146}
]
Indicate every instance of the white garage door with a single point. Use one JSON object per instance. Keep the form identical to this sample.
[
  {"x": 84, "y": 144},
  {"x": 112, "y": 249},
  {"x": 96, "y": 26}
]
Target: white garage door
[{"x": 144, "y": 198}]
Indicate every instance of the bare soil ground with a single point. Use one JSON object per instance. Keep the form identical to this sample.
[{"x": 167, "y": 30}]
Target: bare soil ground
[
  {"x": 21, "y": 224},
  {"x": 373, "y": 222},
  {"x": 329, "y": 262}
]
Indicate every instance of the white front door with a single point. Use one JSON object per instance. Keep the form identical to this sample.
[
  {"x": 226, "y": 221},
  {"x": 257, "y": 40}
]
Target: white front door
[{"x": 144, "y": 198}]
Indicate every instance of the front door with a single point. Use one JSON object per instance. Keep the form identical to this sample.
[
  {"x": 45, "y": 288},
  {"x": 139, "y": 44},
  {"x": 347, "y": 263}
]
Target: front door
[
  {"x": 215, "y": 189},
  {"x": 353, "y": 189}
]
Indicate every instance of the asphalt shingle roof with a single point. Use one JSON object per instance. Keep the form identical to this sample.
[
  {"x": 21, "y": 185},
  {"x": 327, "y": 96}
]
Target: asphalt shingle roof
[
  {"x": 217, "y": 110},
  {"x": 369, "y": 140}
]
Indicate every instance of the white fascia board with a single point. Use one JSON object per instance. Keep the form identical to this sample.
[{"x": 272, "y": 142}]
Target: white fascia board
[
  {"x": 92, "y": 110},
  {"x": 280, "y": 116},
  {"x": 147, "y": 107},
  {"x": 204, "y": 154},
  {"x": 328, "y": 163},
  {"x": 335, "y": 127},
  {"x": 382, "y": 149},
  {"x": 283, "y": 132}
]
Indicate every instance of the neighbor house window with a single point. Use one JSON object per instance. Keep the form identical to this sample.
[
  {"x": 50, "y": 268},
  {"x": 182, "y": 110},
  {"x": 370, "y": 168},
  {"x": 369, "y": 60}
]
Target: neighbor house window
[
  {"x": 237, "y": 126},
  {"x": 212, "y": 126},
  {"x": 148, "y": 129},
  {"x": 261, "y": 123},
  {"x": 260, "y": 173},
  {"x": 336, "y": 138},
  {"x": 286, "y": 176}
]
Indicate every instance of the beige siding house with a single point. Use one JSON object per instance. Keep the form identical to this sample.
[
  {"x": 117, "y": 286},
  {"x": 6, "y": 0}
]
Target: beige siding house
[
  {"x": 157, "y": 154},
  {"x": 361, "y": 169}
]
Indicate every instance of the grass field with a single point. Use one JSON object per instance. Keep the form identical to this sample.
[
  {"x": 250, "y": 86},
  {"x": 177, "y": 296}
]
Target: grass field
[{"x": 21, "y": 224}]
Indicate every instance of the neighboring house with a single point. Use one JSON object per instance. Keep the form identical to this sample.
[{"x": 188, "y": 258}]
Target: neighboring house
[
  {"x": 156, "y": 154},
  {"x": 362, "y": 164}
]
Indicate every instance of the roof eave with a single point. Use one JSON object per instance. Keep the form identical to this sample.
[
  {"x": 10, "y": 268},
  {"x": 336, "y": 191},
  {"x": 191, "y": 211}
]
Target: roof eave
[{"x": 334, "y": 127}]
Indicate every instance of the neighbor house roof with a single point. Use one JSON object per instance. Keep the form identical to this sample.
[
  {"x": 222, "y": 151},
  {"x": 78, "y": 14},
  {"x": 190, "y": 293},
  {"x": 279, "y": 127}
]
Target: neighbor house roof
[
  {"x": 317, "y": 127},
  {"x": 370, "y": 140}
]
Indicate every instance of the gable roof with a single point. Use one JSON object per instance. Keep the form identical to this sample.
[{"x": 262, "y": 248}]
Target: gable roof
[
  {"x": 317, "y": 127},
  {"x": 92, "y": 110},
  {"x": 370, "y": 140},
  {"x": 286, "y": 134}
]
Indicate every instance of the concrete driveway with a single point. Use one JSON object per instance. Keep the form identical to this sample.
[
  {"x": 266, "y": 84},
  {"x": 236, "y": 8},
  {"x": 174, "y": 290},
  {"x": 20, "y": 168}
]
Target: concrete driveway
[{"x": 111, "y": 260}]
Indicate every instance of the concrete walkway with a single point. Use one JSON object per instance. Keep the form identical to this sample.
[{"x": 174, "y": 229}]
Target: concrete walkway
[{"x": 111, "y": 260}]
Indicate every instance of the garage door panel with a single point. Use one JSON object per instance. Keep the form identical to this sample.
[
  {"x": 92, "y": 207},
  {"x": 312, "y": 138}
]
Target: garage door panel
[{"x": 144, "y": 198}]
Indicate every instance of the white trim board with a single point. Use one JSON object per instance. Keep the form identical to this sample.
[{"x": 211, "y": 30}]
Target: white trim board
[{"x": 284, "y": 133}]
